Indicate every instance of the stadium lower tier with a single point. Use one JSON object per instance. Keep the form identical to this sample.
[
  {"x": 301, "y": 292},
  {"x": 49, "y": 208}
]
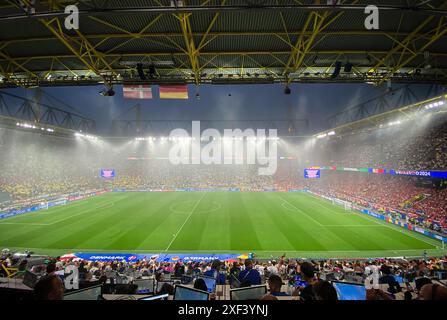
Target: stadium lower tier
[{"x": 266, "y": 224}]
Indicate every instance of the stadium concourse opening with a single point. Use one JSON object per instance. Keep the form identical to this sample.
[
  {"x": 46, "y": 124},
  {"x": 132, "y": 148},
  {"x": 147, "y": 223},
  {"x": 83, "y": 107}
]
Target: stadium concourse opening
[{"x": 223, "y": 150}]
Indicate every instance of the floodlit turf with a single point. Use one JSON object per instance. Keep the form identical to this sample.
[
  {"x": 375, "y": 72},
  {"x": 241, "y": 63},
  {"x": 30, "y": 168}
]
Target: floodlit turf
[{"x": 268, "y": 224}]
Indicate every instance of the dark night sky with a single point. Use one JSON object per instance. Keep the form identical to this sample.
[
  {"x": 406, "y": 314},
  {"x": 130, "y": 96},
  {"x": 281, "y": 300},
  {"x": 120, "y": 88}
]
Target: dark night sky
[{"x": 315, "y": 102}]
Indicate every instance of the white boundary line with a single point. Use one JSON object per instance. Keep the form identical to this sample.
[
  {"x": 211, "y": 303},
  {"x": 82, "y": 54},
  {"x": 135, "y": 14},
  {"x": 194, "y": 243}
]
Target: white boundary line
[
  {"x": 104, "y": 205},
  {"x": 317, "y": 222},
  {"x": 157, "y": 251},
  {"x": 332, "y": 209},
  {"x": 185, "y": 212},
  {"x": 32, "y": 214},
  {"x": 24, "y": 224},
  {"x": 384, "y": 224},
  {"x": 186, "y": 220},
  {"x": 353, "y": 225}
]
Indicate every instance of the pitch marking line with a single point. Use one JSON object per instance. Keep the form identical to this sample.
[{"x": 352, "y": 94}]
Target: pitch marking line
[
  {"x": 101, "y": 206},
  {"x": 24, "y": 224},
  {"x": 105, "y": 205},
  {"x": 385, "y": 224},
  {"x": 331, "y": 209},
  {"x": 186, "y": 220},
  {"x": 40, "y": 213},
  {"x": 396, "y": 229},
  {"x": 353, "y": 225},
  {"x": 284, "y": 205},
  {"x": 216, "y": 208},
  {"x": 153, "y": 251},
  {"x": 69, "y": 205},
  {"x": 301, "y": 211}
]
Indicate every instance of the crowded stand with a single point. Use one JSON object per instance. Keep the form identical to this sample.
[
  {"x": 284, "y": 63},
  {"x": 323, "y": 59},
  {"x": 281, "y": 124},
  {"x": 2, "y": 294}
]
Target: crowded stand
[
  {"x": 397, "y": 196},
  {"x": 286, "y": 278},
  {"x": 418, "y": 144}
]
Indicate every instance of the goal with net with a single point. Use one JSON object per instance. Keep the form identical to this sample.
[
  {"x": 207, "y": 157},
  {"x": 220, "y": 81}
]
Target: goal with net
[{"x": 346, "y": 204}]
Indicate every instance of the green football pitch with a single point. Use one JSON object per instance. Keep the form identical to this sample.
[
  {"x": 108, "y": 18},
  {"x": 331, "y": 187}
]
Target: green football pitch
[{"x": 267, "y": 224}]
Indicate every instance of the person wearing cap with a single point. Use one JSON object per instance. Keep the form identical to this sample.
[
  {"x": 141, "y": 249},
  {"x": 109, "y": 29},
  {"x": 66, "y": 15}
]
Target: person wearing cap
[{"x": 275, "y": 283}]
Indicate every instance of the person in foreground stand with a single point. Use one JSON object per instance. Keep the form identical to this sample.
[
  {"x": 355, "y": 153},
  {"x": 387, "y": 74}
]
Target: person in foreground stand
[
  {"x": 433, "y": 292},
  {"x": 49, "y": 287},
  {"x": 250, "y": 276},
  {"x": 214, "y": 272},
  {"x": 323, "y": 290},
  {"x": 308, "y": 275},
  {"x": 275, "y": 284}
]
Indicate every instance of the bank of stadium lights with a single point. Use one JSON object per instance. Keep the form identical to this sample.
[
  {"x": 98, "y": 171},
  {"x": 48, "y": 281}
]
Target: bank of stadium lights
[
  {"x": 394, "y": 123},
  {"x": 33, "y": 127},
  {"x": 188, "y": 139},
  {"x": 85, "y": 136},
  {"x": 145, "y": 139},
  {"x": 434, "y": 105},
  {"x": 324, "y": 135}
]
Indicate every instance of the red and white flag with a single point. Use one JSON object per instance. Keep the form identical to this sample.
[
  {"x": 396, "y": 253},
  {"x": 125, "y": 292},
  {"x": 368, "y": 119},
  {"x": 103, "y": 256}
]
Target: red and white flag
[{"x": 142, "y": 91}]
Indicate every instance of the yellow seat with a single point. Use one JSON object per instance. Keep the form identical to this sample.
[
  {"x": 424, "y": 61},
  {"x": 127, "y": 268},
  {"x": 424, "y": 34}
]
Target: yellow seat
[{"x": 10, "y": 272}]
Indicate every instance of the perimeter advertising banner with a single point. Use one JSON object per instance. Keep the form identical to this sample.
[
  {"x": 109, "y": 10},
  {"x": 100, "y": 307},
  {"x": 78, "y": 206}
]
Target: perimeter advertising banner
[
  {"x": 132, "y": 257},
  {"x": 413, "y": 173}
]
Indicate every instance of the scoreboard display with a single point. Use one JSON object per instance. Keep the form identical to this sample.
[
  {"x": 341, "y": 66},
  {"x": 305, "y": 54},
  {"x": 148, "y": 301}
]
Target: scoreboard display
[
  {"x": 312, "y": 173},
  {"x": 107, "y": 173}
]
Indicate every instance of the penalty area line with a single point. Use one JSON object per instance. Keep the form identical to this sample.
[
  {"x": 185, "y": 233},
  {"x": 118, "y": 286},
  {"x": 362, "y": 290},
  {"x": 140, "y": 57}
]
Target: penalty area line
[{"x": 299, "y": 210}]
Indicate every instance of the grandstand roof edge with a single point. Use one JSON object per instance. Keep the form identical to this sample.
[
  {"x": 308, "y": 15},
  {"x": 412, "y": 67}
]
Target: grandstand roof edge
[{"x": 368, "y": 119}]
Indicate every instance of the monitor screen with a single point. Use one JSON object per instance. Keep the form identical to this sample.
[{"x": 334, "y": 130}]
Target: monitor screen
[
  {"x": 235, "y": 283},
  {"x": 186, "y": 293},
  {"x": 249, "y": 293},
  {"x": 91, "y": 293},
  {"x": 186, "y": 279},
  {"x": 145, "y": 285},
  {"x": 349, "y": 291},
  {"x": 157, "y": 297},
  {"x": 161, "y": 283},
  {"x": 210, "y": 283},
  {"x": 30, "y": 279}
]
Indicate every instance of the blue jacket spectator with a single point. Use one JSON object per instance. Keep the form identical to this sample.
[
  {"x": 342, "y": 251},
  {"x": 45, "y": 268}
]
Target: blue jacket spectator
[{"x": 250, "y": 276}]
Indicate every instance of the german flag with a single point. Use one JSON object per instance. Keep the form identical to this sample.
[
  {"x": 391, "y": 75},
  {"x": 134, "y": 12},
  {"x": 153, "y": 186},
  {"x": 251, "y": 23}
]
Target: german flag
[{"x": 174, "y": 91}]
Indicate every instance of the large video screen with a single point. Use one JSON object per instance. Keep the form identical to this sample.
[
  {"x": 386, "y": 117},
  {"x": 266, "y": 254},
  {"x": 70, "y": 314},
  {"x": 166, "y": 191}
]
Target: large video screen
[{"x": 312, "y": 173}]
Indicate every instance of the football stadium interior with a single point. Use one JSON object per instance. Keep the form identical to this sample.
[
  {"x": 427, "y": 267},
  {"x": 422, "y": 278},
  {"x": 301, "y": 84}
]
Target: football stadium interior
[{"x": 223, "y": 150}]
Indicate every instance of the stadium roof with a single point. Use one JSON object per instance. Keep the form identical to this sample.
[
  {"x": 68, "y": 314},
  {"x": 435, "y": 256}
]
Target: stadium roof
[
  {"x": 434, "y": 106},
  {"x": 221, "y": 41}
]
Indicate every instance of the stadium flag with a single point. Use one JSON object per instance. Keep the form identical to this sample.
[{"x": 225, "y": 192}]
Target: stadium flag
[
  {"x": 142, "y": 91},
  {"x": 174, "y": 91}
]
